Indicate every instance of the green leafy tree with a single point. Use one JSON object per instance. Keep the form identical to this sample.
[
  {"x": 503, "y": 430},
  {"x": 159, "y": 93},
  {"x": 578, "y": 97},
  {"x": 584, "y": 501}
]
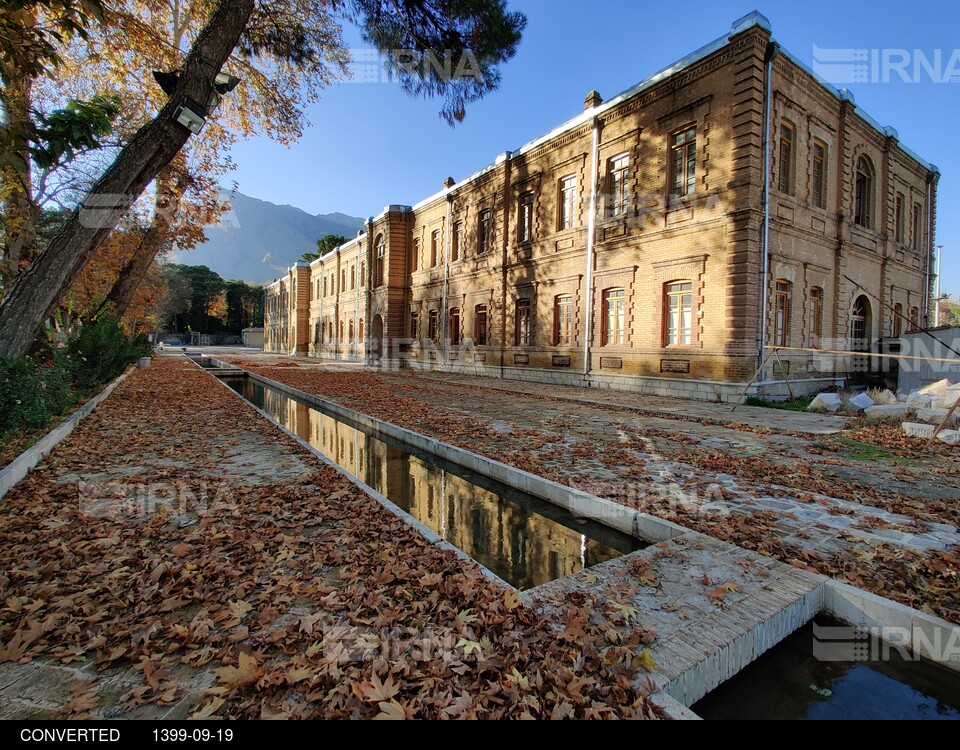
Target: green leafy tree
[{"x": 324, "y": 245}]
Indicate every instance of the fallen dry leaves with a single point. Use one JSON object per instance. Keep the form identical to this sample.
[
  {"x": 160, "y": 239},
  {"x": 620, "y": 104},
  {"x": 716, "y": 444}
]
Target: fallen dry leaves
[{"x": 300, "y": 597}]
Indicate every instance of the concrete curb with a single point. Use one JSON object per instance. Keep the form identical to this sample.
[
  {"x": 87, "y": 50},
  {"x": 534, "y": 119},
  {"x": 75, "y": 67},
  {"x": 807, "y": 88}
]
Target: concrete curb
[{"x": 17, "y": 469}]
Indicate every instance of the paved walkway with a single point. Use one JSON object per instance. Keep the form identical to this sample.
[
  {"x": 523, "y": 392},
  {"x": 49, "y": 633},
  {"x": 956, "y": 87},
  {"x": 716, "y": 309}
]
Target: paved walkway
[{"x": 673, "y": 408}]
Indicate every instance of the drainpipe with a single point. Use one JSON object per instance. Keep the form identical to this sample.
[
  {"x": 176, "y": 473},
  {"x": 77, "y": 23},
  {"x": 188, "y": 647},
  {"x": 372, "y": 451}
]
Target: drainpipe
[
  {"x": 928, "y": 266},
  {"x": 772, "y": 49},
  {"x": 447, "y": 246},
  {"x": 591, "y": 242}
]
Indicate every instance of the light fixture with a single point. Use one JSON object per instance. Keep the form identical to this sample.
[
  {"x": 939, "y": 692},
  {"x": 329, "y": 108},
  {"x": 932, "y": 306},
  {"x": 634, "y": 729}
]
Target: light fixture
[{"x": 190, "y": 114}]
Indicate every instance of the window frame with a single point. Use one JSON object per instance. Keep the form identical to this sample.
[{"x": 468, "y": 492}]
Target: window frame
[
  {"x": 864, "y": 193},
  {"x": 815, "y": 327},
  {"x": 481, "y": 333},
  {"x": 618, "y": 182},
  {"x": 433, "y": 325},
  {"x": 782, "y": 304},
  {"x": 818, "y": 189},
  {"x": 674, "y": 293},
  {"x": 566, "y": 202},
  {"x": 525, "y": 210},
  {"x": 455, "y": 326},
  {"x": 683, "y": 147},
  {"x": 563, "y": 320},
  {"x": 523, "y": 322},
  {"x": 381, "y": 261},
  {"x": 787, "y": 153},
  {"x": 435, "y": 249},
  {"x": 614, "y": 323},
  {"x": 899, "y": 225},
  {"x": 457, "y": 241},
  {"x": 485, "y": 231}
]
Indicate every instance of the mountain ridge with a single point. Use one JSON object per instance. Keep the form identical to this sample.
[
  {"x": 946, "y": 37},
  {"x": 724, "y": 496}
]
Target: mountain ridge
[{"x": 256, "y": 240}]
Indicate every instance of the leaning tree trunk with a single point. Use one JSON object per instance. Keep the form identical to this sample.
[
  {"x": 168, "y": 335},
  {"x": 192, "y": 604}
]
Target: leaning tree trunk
[
  {"x": 34, "y": 295},
  {"x": 153, "y": 241},
  {"x": 20, "y": 212}
]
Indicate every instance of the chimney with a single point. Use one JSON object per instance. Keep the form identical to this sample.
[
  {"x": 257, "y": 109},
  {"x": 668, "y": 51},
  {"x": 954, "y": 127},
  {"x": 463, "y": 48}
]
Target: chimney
[{"x": 593, "y": 100}]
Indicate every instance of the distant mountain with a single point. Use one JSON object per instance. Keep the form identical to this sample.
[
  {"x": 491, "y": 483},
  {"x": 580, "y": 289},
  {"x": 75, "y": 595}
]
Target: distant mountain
[{"x": 257, "y": 240}]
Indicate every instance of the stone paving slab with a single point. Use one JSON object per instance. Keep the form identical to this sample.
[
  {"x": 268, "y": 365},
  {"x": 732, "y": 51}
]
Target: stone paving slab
[{"x": 713, "y": 608}]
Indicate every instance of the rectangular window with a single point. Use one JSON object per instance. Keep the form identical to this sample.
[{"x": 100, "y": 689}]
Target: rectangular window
[
  {"x": 324, "y": 286},
  {"x": 343, "y": 279},
  {"x": 563, "y": 320},
  {"x": 786, "y": 159},
  {"x": 415, "y": 325},
  {"x": 433, "y": 325},
  {"x": 781, "y": 325},
  {"x": 435, "y": 248},
  {"x": 683, "y": 162},
  {"x": 415, "y": 255},
  {"x": 457, "y": 242},
  {"x": 525, "y": 218},
  {"x": 484, "y": 231},
  {"x": 363, "y": 273},
  {"x": 897, "y": 320},
  {"x": 523, "y": 317},
  {"x": 455, "y": 326},
  {"x": 619, "y": 173},
  {"x": 615, "y": 318},
  {"x": 816, "y": 316},
  {"x": 917, "y": 228},
  {"x": 568, "y": 202},
  {"x": 819, "y": 175},
  {"x": 898, "y": 217},
  {"x": 480, "y": 321},
  {"x": 679, "y": 313},
  {"x": 353, "y": 277}
]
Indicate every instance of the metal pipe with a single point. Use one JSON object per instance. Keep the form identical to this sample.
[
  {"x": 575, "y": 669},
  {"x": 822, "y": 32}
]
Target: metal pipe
[
  {"x": 928, "y": 269},
  {"x": 591, "y": 241}
]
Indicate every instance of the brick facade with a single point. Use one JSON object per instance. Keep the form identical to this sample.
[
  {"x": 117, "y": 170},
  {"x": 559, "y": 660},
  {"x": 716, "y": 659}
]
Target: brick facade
[{"x": 626, "y": 248}]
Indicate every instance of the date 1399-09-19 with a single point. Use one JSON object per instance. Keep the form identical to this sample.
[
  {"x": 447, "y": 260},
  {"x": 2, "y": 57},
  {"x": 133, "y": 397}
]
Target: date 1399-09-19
[{"x": 174, "y": 734}]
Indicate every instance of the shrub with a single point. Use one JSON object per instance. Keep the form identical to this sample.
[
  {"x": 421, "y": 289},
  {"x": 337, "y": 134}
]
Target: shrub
[
  {"x": 102, "y": 351},
  {"x": 31, "y": 394}
]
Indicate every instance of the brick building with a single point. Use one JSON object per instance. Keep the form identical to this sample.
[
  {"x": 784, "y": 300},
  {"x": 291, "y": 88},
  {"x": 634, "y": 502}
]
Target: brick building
[{"x": 626, "y": 248}]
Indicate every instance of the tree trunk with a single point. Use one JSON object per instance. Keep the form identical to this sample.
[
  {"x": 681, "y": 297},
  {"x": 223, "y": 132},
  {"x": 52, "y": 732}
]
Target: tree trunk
[
  {"x": 19, "y": 219},
  {"x": 35, "y": 294},
  {"x": 154, "y": 240}
]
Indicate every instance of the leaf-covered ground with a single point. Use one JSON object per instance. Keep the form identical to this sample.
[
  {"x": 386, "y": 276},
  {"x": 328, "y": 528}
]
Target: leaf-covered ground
[
  {"x": 886, "y": 485},
  {"x": 179, "y": 546}
]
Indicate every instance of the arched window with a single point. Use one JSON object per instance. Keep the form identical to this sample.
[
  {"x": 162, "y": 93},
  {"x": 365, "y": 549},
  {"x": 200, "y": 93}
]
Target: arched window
[
  {"x": 861, "y": 324},
  {"x": 897, "y": 320},
  {"x": 614, "y": 319},
  {"x": 863, "y": 207},
  {"x": 379, "y": 276}
]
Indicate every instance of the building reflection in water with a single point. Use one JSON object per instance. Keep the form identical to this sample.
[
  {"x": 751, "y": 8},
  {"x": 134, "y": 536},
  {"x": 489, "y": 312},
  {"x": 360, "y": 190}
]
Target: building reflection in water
[{"x": 524, "y": 540}]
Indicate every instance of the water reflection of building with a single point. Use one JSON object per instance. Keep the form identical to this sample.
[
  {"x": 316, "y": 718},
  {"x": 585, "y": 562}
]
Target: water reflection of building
[{"x": 516, "y": 543}]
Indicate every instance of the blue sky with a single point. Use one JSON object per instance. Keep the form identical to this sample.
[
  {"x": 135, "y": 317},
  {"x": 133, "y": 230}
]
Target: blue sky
[{"x": 369, "y": 145}]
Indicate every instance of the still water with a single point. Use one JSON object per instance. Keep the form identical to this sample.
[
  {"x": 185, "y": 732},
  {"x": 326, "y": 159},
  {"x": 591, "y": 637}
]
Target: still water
[
  {"x": 524, "y": 540},
  {"x": 790, "y": 682}
]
